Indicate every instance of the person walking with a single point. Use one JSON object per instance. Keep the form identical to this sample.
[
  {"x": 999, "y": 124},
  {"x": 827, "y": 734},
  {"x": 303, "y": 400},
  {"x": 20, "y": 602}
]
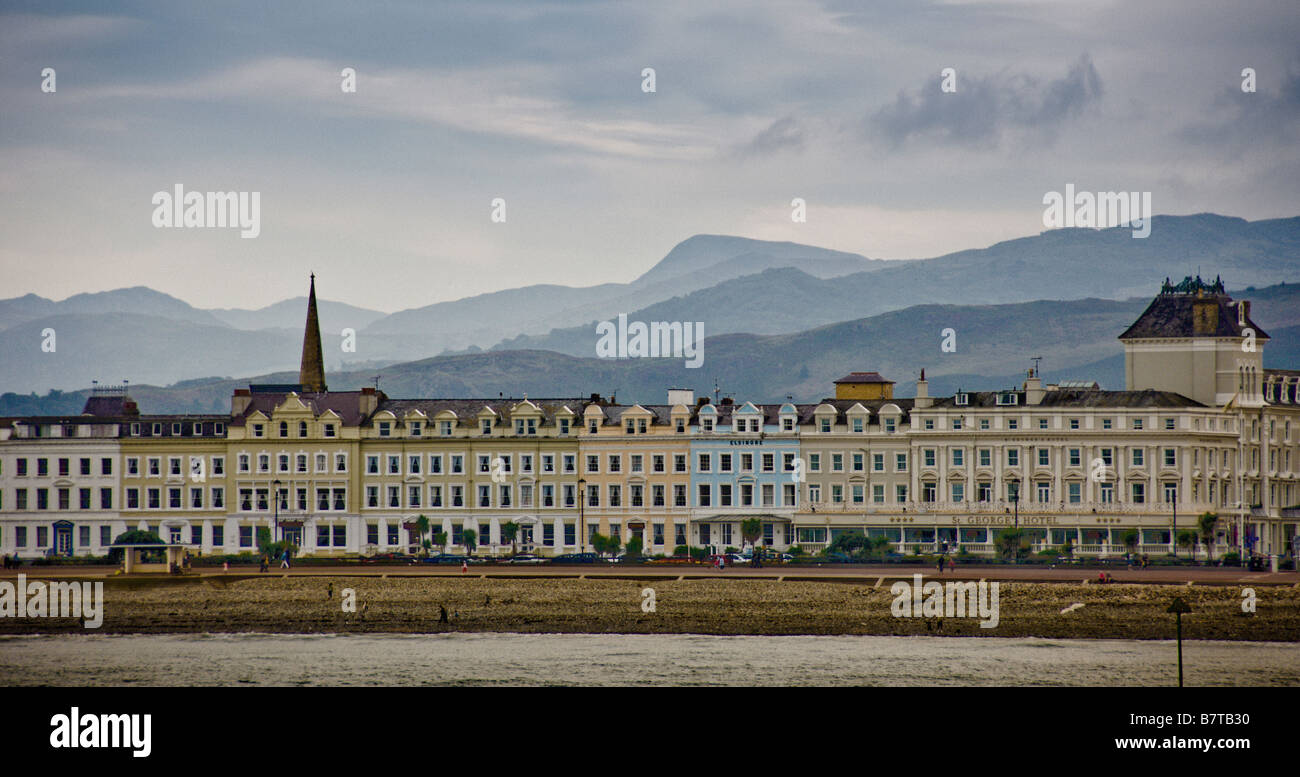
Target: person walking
[
  {"x": 941, "y": 565},
  {"x": 284, "y": 559},
  {"x": 265, "y": 562}
]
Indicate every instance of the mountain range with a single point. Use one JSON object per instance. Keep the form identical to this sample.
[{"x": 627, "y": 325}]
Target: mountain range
[{"x": 780, "y": 318}]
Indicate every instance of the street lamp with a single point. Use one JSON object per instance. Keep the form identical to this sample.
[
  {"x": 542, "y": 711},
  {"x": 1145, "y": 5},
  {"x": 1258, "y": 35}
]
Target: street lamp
[
  {"x": 1015, "y": 504},
  {"x": 582, "y": 524},
  {"x": 276, "y": 496}
]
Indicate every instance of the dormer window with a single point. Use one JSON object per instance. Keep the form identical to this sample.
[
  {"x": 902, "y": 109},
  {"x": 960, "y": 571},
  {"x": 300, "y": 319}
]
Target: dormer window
[
  {"x": 445, "y": 428},
  {"x": 284, "y": 428},
  {"x": 706, "y": 424},
  {"x": 962, "y": 399},
  {"x": 485, "y": 426},
  {"x": 329, "y": 430},
  {"x": 891, "y": 425},
  {"x": 1007, "y": 398},
  {"x": 257, "y": 430},
  {"x": 564, "y": 426},
  {"x": 385, "y": 428},
  {"x": 415, "y": 429},
  {"x": 681, "y": 425},
  {"x": 594, "y": 426},
  {"x": 858, "y": 425},
  {"x": 824, "y": 424},
  {"x": 787, "y": 424},
  {"x": 217, "y": 429},
  {"x": 302, "y": 428}
]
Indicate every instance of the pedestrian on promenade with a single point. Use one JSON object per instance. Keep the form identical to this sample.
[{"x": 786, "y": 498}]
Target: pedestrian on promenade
[
  {"x": 284, "y": 559},
  {"x": 464, "y": 565},
  {"x": 265, "y": 561},
  {"x": 941, "y": 565}
]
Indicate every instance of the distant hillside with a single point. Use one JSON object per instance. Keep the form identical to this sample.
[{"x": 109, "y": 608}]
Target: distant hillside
[
  {"x": 1058, "y": 264},
  {"x": 1077, "y": 340},
  {"x": 289, "y": 314}
]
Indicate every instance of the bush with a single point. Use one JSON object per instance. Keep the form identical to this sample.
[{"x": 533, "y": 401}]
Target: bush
[{"x": 1231, "y": 558}]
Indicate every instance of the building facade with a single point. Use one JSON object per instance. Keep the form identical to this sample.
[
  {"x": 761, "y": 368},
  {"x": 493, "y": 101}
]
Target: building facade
[{"x": 1201, "y": 426}]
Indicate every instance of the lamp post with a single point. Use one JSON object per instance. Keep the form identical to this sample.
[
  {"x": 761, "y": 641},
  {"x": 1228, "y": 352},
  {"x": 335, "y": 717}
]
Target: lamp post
[
  {"x": 582, "y": 521},
  {"x": 1178, "y": 607},
  {"x": 1015, "y": 504},
  {"x": 275, "y": 484}
]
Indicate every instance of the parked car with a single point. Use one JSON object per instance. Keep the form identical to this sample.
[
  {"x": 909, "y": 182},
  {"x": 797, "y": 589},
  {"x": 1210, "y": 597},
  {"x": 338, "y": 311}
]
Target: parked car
[
  {"x": 575, "y": 558},
  {"x": 526, "y": 558},
  {"x": 736, "y": 558},
  {"x": 452, "y": 558}
]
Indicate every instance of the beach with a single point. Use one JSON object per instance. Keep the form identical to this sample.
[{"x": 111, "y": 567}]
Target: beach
[{"x": 415, "y": 605}]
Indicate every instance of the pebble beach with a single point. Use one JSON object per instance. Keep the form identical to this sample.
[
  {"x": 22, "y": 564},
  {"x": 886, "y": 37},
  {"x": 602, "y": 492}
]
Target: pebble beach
[{"x": 413, "y": 605}]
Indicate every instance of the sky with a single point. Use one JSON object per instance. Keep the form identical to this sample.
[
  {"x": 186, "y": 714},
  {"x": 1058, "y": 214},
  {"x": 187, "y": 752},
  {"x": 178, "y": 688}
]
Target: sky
[{"x": 387, "y": 192}]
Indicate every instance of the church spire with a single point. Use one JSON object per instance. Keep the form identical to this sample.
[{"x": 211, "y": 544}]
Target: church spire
[{"x": 312, "y": 372}]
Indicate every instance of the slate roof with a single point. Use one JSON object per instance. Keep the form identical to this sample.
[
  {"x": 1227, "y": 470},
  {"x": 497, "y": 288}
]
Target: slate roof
[
  {"x": 468, "y": 409},
  {"x": 863, "y": 377},
  {"x": 347, "y": 404},
  {"x": 1170, "y": 315}
]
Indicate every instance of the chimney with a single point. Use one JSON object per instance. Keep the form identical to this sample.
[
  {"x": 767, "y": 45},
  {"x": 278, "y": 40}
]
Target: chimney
[
  {"x": 923, "y": 399},
  {"x": 1205, "y": 315},
  {"x": 240, "y": 401},
  {"x": 369, "y": 401},
  {"x": 681, "y": 397},
  {"x": 1033, "y": 389}
]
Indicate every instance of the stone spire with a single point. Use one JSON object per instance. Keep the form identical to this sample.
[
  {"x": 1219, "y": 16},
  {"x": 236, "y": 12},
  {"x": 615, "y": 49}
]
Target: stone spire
[{"x": 312, "y": 372}]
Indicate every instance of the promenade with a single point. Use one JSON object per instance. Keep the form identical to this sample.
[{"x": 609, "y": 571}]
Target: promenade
[{"x": 842, "y": 573}]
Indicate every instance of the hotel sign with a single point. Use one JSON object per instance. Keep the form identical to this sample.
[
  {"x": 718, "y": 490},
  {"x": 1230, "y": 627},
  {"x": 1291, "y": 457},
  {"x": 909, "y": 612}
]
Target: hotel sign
[{"x": 1006, "y": 520}]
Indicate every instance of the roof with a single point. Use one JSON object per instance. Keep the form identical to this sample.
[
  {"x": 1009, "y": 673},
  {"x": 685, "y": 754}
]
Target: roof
[
  {"x": 345, "y": 404},
  {"x": 1170, "y": 315},
  {"x": 1067, "y": 397},
  {"x": 470, "y": 408},
  {"x": 863, "y": 377}
]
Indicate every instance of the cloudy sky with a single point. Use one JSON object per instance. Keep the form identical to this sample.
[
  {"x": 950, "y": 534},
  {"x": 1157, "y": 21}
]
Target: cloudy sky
[{"x": 386, "y": 192}]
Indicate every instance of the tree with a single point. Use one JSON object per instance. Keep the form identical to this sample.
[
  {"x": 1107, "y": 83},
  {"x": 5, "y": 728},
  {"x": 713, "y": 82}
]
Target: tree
[
  {"x": 1067, "y": 548},
  {"x": 422, "y": 528},
  {"x": 613, "y": 544},
  {"x": 510, "y": 533},
  {"x": 440, "y": 539},
  {"x": 1206, "y": 524},
  {"x": 1187, "y": 539},
  {"x": 1131, "y": 540},
  {"x": 469, "y": 538},
  {"x": 599, "y": 543},
  {"x": 850, "y": 543},
  {"x": 1012, "y": 543},
  {"x": 750, "y": 530},
  {"x": 634, "y": 547}
]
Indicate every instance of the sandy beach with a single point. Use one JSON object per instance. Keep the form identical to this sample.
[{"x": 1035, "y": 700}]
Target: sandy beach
[{"x": 395, "y": 604}]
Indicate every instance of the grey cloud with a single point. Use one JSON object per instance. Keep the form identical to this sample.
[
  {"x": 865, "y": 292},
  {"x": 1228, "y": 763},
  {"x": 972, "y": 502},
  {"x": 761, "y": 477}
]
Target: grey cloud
[
  {"x": 984, "y": 109},
  {"x": 1249, "y": 119},
  {"x": 782, "y": 134}
]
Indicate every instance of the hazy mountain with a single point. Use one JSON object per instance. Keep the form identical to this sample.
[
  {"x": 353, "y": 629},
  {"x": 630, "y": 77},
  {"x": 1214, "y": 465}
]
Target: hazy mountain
[
  {"x": 137, "y": 299},
  {"x": 110, "y": 347},
  {"x": 695, "y": 263},
  {"x": 1058, "y": 264},
  {"x": 290, "y": 314},
  {"x": 1077, "y": 340}
]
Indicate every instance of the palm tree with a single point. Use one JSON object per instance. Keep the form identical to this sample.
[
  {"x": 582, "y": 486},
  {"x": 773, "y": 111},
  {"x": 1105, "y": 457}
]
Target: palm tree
[
  {"x": 510, "y": 533},
  {"x": 469, "y": 538},
  {"x": 750, "y": 530},
  {"x": 440, "y": 539},
  {"x": 1206, "y": 524},
  {"x": 421, "y": 527}
]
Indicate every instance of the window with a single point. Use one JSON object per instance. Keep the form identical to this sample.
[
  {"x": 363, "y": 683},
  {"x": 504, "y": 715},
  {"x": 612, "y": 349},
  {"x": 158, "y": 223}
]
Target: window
[
  {"x": 385, "y": 428},
  {"x": 485, "y": 426},
  {"x": 984, "y": 424},
  {"x": 219, "y": 466},
  {"x": 928, "y": 457},
  {"x": 958, "y": 457},
  {"x": 957, "y": 422},
  {"x": 705, "y": 462},
  {"x": 1074, "y": 492},
  {"x": 890, "y": 425},
  {"x": 1139, "y": 457},
  {"x": 1044, "y": 457},
  {"x": 1074, "y": 423},
  {"x": 958, "y": 492},
  {"x": 900, "y": 462},
  {"x": 704, "y": 498},
  {"x": 1013, "y": 457},
  {"x": 900, "y": 493},
  {"x": 1171, "y": 457},
  {"x": 877, "y": 462},
  {"x": 1137, "y": 423},
  {"x": 415, "y": 429},
  {"x": 1169, "y": 423},
  {"x": 1139, "y": 493},
  {"x": 1076, "y": 457}
]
